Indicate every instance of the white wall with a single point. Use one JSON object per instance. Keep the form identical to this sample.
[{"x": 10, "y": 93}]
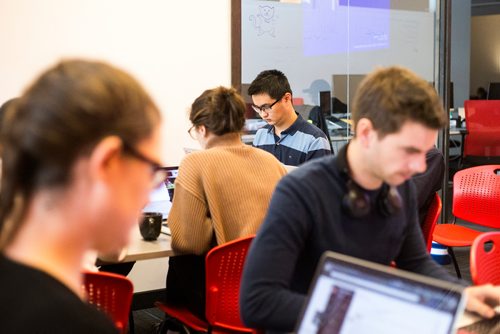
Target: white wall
[{"x": 175, "y": 48}]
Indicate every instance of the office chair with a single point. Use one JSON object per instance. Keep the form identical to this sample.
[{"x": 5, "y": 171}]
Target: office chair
[
  {"x": 476, "y": 194},
  {"x": 431, "y": 220},
  {"x": 112, "y": 294},
  {"x": 224, "y": 267},
  {"x": 482, "y": 140},
  {"x": 485, "y": 259}
]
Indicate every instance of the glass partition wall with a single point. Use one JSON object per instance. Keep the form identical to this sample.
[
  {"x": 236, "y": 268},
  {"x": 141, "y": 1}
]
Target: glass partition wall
[{"x": 325, "y": 47}]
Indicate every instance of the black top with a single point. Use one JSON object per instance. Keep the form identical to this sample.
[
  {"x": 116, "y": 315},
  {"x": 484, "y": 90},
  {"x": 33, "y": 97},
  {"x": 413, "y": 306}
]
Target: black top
[
  {"x": 32, "y": 301},
  {"x": 305, "y": 219},
  {"x": 428, "y": 182}
]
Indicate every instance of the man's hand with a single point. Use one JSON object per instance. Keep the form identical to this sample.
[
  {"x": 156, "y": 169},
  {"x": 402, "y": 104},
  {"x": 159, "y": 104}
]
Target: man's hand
[{"x": 482, "y": 299}]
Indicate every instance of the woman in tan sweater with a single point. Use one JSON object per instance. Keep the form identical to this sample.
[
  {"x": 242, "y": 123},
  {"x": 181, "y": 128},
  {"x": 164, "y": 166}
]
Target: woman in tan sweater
[{"x": 221, "y": 193}]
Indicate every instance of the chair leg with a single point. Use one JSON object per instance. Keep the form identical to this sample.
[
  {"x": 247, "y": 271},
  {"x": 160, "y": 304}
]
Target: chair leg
[
  {"x": 131, "y": 326},
  {"x": 455, "y": 263}
]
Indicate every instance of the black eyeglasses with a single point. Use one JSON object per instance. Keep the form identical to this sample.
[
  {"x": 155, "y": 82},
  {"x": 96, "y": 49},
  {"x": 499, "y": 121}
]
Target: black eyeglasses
[
  {"x": 159, "y": 174},
  {"x": 195, "y": 134},
  {"x": 266, "y": 108}
]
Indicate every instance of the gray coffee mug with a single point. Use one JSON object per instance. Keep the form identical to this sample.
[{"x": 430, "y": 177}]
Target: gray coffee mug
[{"x": 150, "y": 225}]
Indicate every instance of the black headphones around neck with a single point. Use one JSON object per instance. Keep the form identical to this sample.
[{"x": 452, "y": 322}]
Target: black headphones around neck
[{"x": 356, "y": 202}]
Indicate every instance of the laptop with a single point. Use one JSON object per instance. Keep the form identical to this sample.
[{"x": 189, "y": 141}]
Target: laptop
[
  {"x": 350, "y": 295},
  {"x": 160, "y": 198}
]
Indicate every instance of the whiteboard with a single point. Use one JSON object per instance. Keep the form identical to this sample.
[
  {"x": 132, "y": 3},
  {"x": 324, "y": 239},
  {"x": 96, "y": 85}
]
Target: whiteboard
[{"x": 313, "y": 40}]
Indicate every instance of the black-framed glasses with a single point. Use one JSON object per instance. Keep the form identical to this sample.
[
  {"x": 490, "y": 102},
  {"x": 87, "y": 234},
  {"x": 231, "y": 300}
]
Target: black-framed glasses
[
  {"x": 266, "y": 108},
  {"x": 159, "y": 174},
  {"x": 193, "y": 133}
]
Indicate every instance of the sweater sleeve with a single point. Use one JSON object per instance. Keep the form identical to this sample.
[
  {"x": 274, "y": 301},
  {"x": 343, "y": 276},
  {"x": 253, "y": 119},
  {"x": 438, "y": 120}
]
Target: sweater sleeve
[
  {"x": 266, "y": 298},
  {"x": 189, "y": 222}
]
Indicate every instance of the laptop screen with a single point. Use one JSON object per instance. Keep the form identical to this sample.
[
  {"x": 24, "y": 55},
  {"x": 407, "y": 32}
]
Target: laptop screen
[
  {"x": 161, "y": 197},
  {"x": 351, "y": 295}
]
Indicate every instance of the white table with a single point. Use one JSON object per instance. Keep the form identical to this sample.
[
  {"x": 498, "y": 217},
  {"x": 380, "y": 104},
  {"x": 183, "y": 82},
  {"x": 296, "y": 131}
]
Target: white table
[{"x": 139, "y": 249}]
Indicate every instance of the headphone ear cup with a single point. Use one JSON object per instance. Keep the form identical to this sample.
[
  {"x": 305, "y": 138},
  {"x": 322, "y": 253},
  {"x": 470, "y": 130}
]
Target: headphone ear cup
[
  {"x": 355, "y": 202},
  {"x": 389, "y": 201}
]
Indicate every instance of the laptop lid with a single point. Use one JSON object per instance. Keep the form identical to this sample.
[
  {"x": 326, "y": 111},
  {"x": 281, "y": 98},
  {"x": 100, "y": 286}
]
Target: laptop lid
[
  {"x": 350, "y": 295},
  {"x": 161, "y": 197}
]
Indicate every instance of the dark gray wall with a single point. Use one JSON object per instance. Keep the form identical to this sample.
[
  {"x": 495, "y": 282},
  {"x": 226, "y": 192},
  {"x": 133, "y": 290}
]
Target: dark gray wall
[{"x": 460, "y": 50}]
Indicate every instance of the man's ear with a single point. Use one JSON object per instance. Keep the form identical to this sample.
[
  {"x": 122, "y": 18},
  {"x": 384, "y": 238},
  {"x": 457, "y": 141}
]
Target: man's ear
[
  {"x": 365, "y": 132},
  {"x": 105, "y": 156},
  {"x": 288, "y": 97}
]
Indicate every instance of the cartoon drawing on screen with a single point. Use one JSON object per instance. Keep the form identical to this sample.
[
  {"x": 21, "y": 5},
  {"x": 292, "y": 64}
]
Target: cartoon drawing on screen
[{"x": 264, "y": 21}]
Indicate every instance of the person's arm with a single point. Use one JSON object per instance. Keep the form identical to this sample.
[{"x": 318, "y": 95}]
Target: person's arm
[
  {"x": 257, "y": 140},
  {"x": 266, "y": 299},
  {"x": 413, "y": 255},
  {"x": 189, "y": 223},
  {"x": 319, "y": 148}
]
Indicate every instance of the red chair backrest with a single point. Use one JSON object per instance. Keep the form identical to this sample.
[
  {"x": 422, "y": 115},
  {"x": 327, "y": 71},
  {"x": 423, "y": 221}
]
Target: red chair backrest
[
  {"x": 485, "y": 259},
  {"x": 431, "y": 220},
  {"x": 476, "y": 195},
  {"x": 224, "y": 266},
  {"x": 112, "y": 294},
  {"x": 483, "y": 126}
]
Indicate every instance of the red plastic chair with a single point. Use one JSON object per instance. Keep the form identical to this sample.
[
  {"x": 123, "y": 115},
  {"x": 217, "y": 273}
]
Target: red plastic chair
[
  {"x": 476, "y": 198},
  {"x": 431, "y": 220},
  {"x": 485, "y": 259},
  {"x": 112, "y": 294},
  {"x": 224, "y": 266},
  {"x": 482, "y": 141}
]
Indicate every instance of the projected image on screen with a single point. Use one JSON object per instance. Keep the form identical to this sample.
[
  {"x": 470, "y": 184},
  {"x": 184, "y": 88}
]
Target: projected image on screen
[
  {"x": 331, "y": 27},
  {"x": 313, "y": 40}
]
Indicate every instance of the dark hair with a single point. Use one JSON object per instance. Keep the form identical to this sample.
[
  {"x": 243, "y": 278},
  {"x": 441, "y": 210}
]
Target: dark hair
[
  {"x": 221, "y": 110},
  {"x": 59, "y": 118},
  {"x": 389, "y": 97},
  {"x": 272, "y": 82},
  {"x": 3, "y": 109}
]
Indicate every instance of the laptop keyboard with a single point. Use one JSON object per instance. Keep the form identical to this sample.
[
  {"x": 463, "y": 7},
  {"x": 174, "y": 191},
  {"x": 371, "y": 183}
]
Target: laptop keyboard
[{"x": 485, "y": 326}]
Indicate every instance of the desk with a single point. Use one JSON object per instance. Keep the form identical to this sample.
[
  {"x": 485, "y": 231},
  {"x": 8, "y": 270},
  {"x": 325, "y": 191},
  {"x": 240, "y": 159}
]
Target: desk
[
  {"x": 139, "y": 249},
  {"x": 454, "y": 131}
]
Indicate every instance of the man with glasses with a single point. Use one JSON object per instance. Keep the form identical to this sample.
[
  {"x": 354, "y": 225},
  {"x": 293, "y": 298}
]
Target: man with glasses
[
  {"x": 290, "y": 138},
  {"x": 360, "y": 203}
]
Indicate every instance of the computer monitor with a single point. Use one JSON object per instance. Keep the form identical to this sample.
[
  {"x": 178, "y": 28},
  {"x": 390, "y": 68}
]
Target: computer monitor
[
  {"x": 325, "y": 102},
  {"x": 494, "y": 91}
]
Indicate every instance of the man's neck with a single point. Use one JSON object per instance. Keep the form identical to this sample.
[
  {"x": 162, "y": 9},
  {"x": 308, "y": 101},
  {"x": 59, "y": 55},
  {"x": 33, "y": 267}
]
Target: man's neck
[
  {"x": 286, "y": 122},
  {"x": 359, "y": 168}
]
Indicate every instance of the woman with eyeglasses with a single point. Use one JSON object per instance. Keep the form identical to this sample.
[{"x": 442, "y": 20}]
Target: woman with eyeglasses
[
  {"x": 80, "y": 150},
  {"x": 221, "y": 193}
]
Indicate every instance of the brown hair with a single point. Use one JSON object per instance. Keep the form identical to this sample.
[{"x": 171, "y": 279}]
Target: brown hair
[
  {"x": 59, "y": 118},
  {"x": 221, "y": 110},
  {"x": 389, "y": 97}
]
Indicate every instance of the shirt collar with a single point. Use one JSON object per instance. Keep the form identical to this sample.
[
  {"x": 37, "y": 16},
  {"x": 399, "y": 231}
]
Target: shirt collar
[{"x": 296, "y": 126}]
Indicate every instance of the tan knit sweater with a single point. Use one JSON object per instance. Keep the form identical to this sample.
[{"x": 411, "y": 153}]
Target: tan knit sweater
[{"x": 222, "y": 191}]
